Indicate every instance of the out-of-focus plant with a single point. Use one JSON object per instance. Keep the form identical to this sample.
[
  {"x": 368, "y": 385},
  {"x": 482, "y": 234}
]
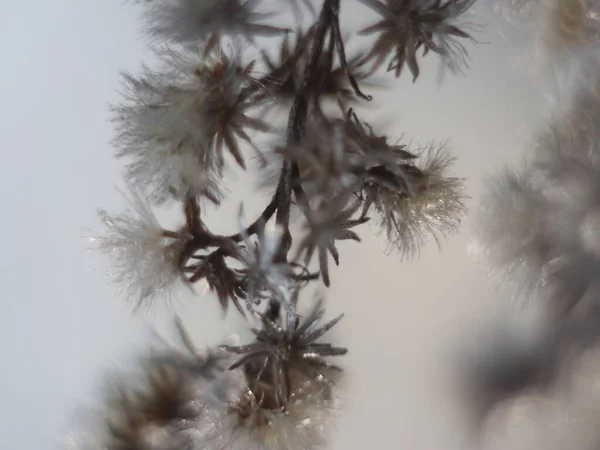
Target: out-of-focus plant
[{"x": 539, "y": 223}]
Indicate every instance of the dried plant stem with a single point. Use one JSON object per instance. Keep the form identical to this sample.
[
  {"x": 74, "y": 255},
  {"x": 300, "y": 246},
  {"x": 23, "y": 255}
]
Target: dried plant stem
[{"x": 289, "y": 181}]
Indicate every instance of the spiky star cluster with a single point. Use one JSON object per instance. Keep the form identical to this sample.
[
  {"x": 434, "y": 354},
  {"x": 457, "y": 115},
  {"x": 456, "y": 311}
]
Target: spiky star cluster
[
  {"x": 408, "y": 26},
  {"x": 201, "y": 109}
]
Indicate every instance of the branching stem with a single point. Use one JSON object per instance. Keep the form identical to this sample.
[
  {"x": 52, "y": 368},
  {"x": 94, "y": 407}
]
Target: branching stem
[{"x": 289, "y": 183}]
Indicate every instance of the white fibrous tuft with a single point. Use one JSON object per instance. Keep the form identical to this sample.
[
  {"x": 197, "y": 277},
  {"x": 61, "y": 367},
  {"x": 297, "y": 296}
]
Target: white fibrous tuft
[
  {"x": 557, "y": 35},
  {"x": 566, "y": 45},
  {"x": 565, "y": 24},
  {"x": 264, "y": 276},
  {"x": 174, "y": 123},
  {"x": 566, "y": 18},
  {"x": 517, "y": 10},
  {"x": 196, "y": 21},
  {"x": 433, "y": 211},
  {"x": 572, "y": 78},
  {"x": 146, "y": 257},
  {"x": 305, "y": 424},
  {"x": 512, "y": 229},
  {"x": 545, "y": 223}
]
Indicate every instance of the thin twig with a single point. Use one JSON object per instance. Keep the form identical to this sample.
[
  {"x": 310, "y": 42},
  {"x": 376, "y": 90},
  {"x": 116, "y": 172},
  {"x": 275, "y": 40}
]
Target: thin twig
[
  {"x": 255, "y": 226},
  {"x": 296, "y": 122},
  {"x": 339, "y": 42}
]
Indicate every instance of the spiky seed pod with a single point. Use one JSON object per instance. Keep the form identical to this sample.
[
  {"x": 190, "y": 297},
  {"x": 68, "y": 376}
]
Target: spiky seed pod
[
  {"x": 382, "y": 163},
  {"x": 284, "y": 355},
  {"x": 336, "y": 156},
  {"x": 433, "y": 211},
  {"x": 330, "y": 222},
  {"x": 285, "y": 76},
  {"x": 256, "y": 411},
  {"x": 191, "y": 22},
  {"x": 409, "y": 25},
  {"x": 242, "y": 421},
  {"x": 176, "y": 122},
  {"x": 226, "y": 110},
  {"x": 228, "y": 284},
  {"x": 145, "y": 256}
]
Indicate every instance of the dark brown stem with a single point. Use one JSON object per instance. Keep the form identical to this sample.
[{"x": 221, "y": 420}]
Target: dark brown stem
[
  {"x": 289, "y": 182},
  {"x": 339, "y": 43},
  {"x": 290, "y": 174},
  {"x": 263, "y": 218},
  {"x": 308, "y": 277},
  {"x": 299, "y": 111},
  {"x": 299, "y": 193},
  {"x": 284, "y": 204},
  {"x": 192, "y": 216}
]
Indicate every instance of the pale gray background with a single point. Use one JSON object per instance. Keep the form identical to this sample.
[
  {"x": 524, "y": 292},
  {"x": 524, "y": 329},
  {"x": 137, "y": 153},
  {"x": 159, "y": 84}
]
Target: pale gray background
[{"x": 61, "y": 328}]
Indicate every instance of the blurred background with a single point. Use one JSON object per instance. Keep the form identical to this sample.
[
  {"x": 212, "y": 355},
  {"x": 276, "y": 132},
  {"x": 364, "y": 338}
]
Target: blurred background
[{"x": 63, "y": 327}]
